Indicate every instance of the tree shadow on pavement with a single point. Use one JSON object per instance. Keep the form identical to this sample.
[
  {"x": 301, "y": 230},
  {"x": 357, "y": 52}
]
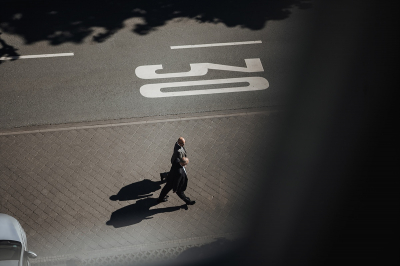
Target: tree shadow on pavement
[
  {"x": 138, "y": 190},
  {"x": 7, "y": 50},
  {"x": 137, "y": 212},
  {"x": 59, "y": 21}
]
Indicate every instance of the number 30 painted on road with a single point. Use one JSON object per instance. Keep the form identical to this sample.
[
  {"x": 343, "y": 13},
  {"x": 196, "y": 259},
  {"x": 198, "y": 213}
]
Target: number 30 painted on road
[{"x": 200, "y": 69}]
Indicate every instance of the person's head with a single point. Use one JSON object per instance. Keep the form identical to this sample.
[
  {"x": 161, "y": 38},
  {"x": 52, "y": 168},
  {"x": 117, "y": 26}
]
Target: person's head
[
  {"x": 181, "y": 142},
  {"x": 184, "y": 161}
]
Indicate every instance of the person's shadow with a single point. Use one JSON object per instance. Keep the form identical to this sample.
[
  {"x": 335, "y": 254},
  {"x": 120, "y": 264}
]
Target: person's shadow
[
  {"x": 137, "y": 212},
  {"x": 138, "y": 190},
  {"x": 8, "y": 50}
]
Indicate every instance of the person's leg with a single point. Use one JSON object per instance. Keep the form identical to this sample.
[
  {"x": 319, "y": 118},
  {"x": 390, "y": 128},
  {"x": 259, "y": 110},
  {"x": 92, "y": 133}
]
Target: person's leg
[
  {"x": 187, "y": 200},
  {"x": 167, "y": 188}
]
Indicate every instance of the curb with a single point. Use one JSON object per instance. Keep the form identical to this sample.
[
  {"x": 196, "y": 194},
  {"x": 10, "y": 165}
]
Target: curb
[
  {"x": 133, "y": 255},
  {"x": 136, "y": 121}
]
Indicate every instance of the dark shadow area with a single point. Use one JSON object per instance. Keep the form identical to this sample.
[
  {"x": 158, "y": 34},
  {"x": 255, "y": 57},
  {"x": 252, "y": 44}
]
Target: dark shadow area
[
  {"x": 330, "y": 193},
  {"x": 72, "y": 21},
  {"x": 211, "y": 251},
  {"x": 7, "y": 50},
  {"x": 138, "y": 190},
  {"x": 137, "y": 212}
]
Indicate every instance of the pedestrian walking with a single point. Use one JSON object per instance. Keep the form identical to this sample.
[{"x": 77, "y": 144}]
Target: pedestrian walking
[
  {"x": 177, "y": 181},
  {"x": 179, "y": 152}
]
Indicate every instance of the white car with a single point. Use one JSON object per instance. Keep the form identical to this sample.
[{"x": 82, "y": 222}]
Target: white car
[{"x": 13, "y": 246}]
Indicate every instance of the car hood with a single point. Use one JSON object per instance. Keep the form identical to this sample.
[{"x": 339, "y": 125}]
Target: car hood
[{"x": 10, "y": 229}]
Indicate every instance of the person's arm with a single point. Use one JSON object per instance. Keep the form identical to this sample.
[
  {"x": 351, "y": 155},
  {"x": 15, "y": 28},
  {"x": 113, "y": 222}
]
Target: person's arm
[
  {"x": 181, "y": 153},
  {"x": 175, "y": 154},
  {"x": 177, "y": 181}
]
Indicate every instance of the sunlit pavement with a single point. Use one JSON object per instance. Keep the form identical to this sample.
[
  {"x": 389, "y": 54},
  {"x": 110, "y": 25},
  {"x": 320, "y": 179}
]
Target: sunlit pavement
[{"x": 83, "y": 192}]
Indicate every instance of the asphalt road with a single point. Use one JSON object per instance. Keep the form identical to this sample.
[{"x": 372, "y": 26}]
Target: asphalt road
[{"x": 99, "y": 82}]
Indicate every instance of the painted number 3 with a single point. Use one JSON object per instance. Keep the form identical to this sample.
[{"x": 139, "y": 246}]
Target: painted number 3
[{"x": 200, "y": 69}]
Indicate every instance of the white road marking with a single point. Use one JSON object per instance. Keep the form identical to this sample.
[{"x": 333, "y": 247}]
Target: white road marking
[
  {"x": 198, "y": 69},
  {"x": 213, "y": 44},
  {"x": 154, "y": 90},
  {"x": 35, "y": 56}
]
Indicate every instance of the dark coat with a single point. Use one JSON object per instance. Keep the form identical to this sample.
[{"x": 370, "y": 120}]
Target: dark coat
[
  {"x": 177, "y": 177},
  {"x": 179, "y": 152}
]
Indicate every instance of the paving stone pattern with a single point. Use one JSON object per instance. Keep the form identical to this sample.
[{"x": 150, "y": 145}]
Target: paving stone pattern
[{"x": 58, "y": 184}]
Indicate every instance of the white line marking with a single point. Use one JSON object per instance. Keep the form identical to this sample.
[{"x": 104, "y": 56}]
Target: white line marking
[
  {"x": 35, "y": 56},
  {"x": 213, "y": 44}
]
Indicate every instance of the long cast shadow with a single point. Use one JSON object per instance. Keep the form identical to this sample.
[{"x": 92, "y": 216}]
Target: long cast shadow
[
  {"x": 7, "y": 50},
  {"x": 137, "y": 212},
  {"x": 72, "y": 21},
  {"x": 138, "y": 190}
]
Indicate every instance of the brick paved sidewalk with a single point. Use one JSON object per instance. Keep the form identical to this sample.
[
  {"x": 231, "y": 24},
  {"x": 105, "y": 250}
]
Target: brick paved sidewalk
[{"x": 86, "y": 189}]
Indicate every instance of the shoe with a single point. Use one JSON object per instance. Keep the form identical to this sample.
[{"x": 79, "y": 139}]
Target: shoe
[
  {"x": 162, "y": 200},
  {"x": 191, "y": 202}
]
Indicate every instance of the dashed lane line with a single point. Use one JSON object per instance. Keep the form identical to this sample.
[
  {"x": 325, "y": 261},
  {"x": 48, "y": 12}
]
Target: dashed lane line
[
  {"x": 34, "y": 56},
  {"x": 213, "y": 44}
]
